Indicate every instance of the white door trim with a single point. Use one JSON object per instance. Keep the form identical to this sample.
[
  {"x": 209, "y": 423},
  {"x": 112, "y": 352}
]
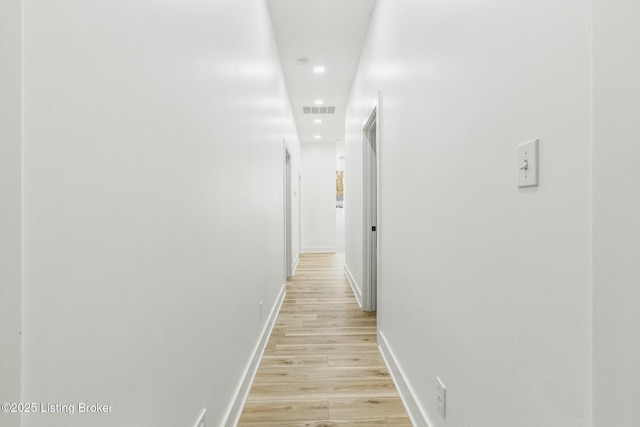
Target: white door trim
[{"x": 371, "y": 218}]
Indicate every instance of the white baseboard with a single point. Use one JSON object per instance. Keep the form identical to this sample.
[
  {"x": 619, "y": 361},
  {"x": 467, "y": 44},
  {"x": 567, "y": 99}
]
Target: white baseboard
[
  {"x": 354, "y": 285},
  {"x": 202, "y": 419},
  {"x": 295, "y": 264},
  {"x": 318, "y": 250},
  {"x": 235, "y": 409},
  {"x": 416, "y": 412}
]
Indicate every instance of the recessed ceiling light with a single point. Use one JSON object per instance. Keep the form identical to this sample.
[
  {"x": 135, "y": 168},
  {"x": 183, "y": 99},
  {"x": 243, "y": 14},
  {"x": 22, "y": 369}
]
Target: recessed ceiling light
[
  {"x": 318, "y": 121},
  {"x": 317, "y": 137},
  {"x": 318, "y": 102},
  {"x": 319, "y": 69}
]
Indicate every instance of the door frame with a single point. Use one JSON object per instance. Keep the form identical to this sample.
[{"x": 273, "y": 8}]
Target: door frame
[
  {"x": 371, "y": 217},
  {"x": 299, "y": 222}
]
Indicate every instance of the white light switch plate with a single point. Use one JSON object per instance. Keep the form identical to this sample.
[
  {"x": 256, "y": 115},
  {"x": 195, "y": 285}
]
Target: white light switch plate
[{"x": 528, "y": 164}]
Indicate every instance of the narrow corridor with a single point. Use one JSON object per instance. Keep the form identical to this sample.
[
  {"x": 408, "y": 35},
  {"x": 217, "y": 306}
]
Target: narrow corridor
[{"x": 322, "y": 366}]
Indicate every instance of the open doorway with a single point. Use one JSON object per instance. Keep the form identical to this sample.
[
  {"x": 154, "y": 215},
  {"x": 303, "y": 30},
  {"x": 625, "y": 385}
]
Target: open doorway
[
  {"x": 288, "y": 261},
  {"x": 370, "y": 211}
]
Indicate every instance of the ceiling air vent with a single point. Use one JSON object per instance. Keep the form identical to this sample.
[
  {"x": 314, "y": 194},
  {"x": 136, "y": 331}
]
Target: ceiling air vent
[{"x": 319, "y": 110}]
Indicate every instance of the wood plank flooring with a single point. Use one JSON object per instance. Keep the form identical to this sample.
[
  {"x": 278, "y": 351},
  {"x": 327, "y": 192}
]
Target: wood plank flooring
[{"x": 322, "y": 367}]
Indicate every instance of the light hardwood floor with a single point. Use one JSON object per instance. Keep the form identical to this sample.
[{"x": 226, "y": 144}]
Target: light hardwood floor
[{"x": 322, "y": 367}]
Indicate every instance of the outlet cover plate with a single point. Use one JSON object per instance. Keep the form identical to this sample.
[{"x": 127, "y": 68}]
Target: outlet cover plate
[{"x": 442, "y": 398}]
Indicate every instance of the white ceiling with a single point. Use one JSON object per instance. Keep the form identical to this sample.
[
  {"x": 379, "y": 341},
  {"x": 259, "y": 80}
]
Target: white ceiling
[{"x": 328, "y": 33}]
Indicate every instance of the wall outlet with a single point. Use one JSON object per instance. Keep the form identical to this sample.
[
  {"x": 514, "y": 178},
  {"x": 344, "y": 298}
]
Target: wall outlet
[
  {"x": 442, "y": 398},
  {"x": 201, "y": 419},
  {"x": 260, "y": 310}
]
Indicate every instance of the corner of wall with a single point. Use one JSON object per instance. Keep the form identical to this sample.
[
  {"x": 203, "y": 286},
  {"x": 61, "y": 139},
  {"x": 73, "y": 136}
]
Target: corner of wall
[
  {"x": 242, "y": 392},
  {"x": 417, "y": 414},
  {"x": 296, "y": 262},
  {"x": 11, "y": 208},
  {"x": 354, "y": 284}
]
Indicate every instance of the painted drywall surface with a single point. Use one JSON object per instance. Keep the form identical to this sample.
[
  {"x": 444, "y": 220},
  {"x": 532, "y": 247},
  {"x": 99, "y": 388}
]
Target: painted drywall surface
[
  {"x": 293, "y": 146},
  {"x": 353, "y": 199},
  {"x": 318, "y": 165},
  {"x": 153, "y": 205},
  {"x": 340, "y": 229},
  {"x": 340, "y": 237},
  {"x": 484, "y": 285},
  {"x": 296, "y": 201},
  {"x": 616, "y": 235},
  {"x": 10, "y": 210}
]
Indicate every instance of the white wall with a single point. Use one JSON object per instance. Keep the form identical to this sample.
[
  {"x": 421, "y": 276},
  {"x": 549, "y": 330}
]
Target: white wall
[
  {"x": 616, "y": 146},
  {"x": 484, "y": 285},
  {"x": 318, "y": 165},
  {"x": 340, "y": 241},
  {"x": 296, "y": 201},
  {"x": 153, "y": 204},
  {"x": 10, "y": 201},
  {"x": 340, "y": 218}
]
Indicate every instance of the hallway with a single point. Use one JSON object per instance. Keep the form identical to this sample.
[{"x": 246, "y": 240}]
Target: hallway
[
  {"x": 162, "y": 162},
  {"x": 322, "y": 366}
]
